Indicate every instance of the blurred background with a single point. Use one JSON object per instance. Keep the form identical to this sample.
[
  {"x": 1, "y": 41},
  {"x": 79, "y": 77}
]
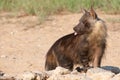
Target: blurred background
[{"x": 43, "y": 8}]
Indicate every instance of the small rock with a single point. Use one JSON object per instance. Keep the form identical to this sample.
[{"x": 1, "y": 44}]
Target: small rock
[
  {"x": 28, "y": 76},
  {"x": 99, "y": 74},
  {"x": 4, "y": 76},
  {"x": 61, "y": 71},
  {"x": 75, "y": 72},
  {"x": 69, "y": 77},
  {"x": 1, "y": 73},
  {"x": 32, "y": 76},
  {"x": 3, "y": 56},
  {"x": 41, "y": 76}
]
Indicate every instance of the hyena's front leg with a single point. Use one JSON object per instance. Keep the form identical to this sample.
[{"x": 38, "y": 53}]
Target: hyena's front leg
[
  {"x": 97, "y": 57},
  {"x": 85, "y": 63}
]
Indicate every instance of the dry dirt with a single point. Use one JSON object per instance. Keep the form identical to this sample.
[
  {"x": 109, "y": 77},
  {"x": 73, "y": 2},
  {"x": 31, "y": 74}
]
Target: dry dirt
[{"x": 24, "y": 42}]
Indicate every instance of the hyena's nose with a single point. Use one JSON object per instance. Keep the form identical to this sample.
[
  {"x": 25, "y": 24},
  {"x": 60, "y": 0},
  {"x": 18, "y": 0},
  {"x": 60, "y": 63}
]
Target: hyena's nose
[{"x": 76, "y": 29}]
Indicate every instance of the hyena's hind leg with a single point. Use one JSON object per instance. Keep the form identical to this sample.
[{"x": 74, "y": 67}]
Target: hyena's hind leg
[
  {"x": 65, "y": 62},
  {"x": 51, "y": 62}
]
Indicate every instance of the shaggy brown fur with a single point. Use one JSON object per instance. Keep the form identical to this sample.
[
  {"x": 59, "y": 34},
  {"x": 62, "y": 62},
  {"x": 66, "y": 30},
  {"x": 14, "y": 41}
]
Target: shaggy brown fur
[{"x": 85, "y": 46}]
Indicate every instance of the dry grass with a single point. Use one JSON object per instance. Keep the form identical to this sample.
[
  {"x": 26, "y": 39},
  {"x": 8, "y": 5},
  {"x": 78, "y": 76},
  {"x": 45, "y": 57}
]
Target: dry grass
[{"x": 43, "y": 8}]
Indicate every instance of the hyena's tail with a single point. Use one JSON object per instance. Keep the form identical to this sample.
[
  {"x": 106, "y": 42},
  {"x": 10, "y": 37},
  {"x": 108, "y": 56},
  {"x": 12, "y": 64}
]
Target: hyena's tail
[{"x": 51, "y": 62}]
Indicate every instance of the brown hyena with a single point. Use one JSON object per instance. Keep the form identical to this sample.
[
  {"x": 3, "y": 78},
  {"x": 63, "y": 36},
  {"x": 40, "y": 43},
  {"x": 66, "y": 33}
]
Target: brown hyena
[{"x": 86, "y": 46}]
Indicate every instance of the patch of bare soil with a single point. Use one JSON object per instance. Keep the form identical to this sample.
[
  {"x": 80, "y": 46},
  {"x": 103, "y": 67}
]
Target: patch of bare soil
[{"x": 24, "y": 42}]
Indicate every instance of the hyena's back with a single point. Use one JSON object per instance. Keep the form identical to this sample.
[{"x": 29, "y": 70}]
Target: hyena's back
[{"x": 57, "y": 56}]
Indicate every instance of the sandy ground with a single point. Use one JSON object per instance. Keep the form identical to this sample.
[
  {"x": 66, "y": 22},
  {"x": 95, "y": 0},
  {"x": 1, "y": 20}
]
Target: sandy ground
[{"x": 24, "y": 42}]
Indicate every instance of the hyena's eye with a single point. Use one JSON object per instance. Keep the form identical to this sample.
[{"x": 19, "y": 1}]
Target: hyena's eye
[{"x": 86, "y": 23}]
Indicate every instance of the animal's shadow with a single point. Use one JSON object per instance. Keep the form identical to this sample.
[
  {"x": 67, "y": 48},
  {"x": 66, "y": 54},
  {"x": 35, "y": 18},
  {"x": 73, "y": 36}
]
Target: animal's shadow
[{"x": 113, "y": 69}]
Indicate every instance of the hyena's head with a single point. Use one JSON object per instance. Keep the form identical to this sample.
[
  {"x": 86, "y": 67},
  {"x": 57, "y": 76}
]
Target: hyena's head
[{"x": 87, "y": 22}]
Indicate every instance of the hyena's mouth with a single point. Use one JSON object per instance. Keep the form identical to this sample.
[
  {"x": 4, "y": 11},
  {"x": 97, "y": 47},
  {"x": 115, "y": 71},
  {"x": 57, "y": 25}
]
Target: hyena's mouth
[
  {"x": 78, "y": 33},
  {"x": 75, "y": 33},
  {"x": 78, "y": 30}
]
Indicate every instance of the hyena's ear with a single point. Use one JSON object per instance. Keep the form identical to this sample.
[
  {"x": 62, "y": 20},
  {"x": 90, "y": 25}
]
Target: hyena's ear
[
  {"x": 84, "y": 11},
  {"x": 93, "y": 13}
]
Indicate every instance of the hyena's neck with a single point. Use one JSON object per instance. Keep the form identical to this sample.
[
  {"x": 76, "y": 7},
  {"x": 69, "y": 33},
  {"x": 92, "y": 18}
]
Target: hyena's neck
[{"x": 99, "y": 32}]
